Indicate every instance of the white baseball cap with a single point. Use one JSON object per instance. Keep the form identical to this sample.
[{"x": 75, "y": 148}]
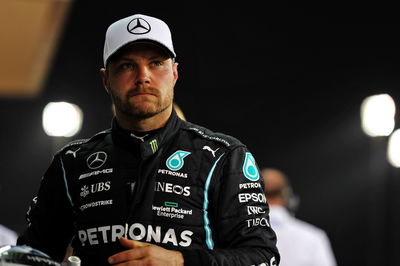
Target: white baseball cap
[{"x": 137, "y": 28}]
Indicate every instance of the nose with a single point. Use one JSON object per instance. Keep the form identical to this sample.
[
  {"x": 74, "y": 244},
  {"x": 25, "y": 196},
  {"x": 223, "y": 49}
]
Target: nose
[{"x": 143, "y": 75}]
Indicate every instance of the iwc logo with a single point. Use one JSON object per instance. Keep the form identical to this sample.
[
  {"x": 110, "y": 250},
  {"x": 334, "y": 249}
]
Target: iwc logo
[
  {"x": 175, "y": 161},
  {"x": 96, "y": 160},
  {"x": 138, "y": 26}
]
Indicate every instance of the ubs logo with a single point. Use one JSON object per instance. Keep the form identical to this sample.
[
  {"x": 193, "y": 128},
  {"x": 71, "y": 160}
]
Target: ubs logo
[
  {"x": 96, "y": 160},
  {"x": 94, "y": 188}
]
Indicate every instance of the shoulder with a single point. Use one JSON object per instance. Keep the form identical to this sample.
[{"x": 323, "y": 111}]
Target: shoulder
[
  {"x": 78, "y": 143},
  {"x": 7, "y": 231},
  {"x": 309, "y": 230},
  {"x": 7, "y": 236},
  {"x": 203, "y": 133}
]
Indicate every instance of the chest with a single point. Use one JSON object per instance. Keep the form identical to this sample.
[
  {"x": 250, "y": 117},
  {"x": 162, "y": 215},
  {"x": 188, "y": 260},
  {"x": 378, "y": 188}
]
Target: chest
[{"x": 170, "y": 186}]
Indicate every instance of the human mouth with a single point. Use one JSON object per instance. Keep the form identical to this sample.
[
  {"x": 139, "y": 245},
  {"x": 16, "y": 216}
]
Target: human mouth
[{"x": 140, "y": 93}]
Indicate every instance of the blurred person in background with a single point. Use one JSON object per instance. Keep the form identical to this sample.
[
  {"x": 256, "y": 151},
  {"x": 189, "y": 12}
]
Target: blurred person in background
[
  {"x": 179, "y": 111},
  {"x": 299, "y": 243},
  {"x": 7, "y": 236}
]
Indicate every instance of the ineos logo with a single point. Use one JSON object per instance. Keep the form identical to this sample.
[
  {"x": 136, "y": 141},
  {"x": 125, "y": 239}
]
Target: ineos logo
[
  {"x": 96, "y": 160},
  {"x": 138, "y": 26}
]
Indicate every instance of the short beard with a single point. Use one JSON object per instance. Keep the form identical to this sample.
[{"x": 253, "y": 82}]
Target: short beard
[
  {"x": 128, "y": 110},
  {"x": 141, "y": 114}
]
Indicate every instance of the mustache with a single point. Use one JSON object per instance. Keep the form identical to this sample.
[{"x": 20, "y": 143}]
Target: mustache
[{"x": 141, "y": 90}]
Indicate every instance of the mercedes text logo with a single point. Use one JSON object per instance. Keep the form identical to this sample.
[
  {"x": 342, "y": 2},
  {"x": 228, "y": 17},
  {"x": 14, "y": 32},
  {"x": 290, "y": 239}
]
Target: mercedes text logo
[
  {"x": 96, "y": 160},
  {"x": 138, "y": 26}
]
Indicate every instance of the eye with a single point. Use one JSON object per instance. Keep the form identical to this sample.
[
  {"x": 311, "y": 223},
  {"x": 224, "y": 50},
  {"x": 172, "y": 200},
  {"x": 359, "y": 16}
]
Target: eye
[
  {"x": 124, "y": 66},
  {"x": 157, "y": 63}
]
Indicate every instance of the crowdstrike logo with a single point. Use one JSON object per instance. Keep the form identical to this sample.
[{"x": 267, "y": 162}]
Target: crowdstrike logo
[
  {"x": 138, "y": 26},
  {"x": 96, "y": 160}
]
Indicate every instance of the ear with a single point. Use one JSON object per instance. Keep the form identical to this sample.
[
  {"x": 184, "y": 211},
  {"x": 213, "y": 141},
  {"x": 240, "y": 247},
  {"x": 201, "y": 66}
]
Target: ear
[
  {"x": 104, "y": 78},
  {"x": 175, "y": 71}
]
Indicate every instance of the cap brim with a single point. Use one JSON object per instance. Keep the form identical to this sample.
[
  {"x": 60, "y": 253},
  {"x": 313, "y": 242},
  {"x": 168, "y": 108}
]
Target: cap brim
[{"x": 162, "y": 47}]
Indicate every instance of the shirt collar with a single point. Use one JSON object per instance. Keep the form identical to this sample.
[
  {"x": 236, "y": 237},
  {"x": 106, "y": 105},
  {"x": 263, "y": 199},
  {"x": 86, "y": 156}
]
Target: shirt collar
[{"x": 150, "y": 144}]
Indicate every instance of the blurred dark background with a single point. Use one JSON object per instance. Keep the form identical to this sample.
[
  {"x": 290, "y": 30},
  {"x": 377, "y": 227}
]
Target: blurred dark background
[{"x": 286, "y": 80}]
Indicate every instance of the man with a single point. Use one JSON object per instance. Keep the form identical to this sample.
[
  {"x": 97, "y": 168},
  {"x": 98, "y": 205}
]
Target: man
[
  {"x": 299, "y": 243},
  {"x": 154, "y": 189}
]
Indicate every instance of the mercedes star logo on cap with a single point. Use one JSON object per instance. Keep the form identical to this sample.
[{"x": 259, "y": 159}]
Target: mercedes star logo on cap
[
  {"x": 96, "y": 160},
  {"x": 138, "y": 26}
]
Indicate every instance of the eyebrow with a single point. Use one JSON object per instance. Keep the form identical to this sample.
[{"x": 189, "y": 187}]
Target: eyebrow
[{"x": 163, "y": 57}]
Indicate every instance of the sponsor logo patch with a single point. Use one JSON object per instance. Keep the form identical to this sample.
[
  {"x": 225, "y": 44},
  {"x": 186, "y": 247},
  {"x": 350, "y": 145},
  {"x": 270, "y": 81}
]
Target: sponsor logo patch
[
  {"x": 250, "y": 170},
  {"x": 249, "y": 185},
  {"x": 97, "y": 172},
  {"x": 172, "y": 173},
  {"x": 171, "y": 210},
  {"x": 255, "y": 197},
  {"x": 96, "y": 204},
  {"x": 255, "y": 210},
  {"x": 175, "y": 161},
  {"x": 257, "y": 222},
  {"x": 172, "y": 188},
  {"x": 136, "y": 231},
  {"x": 96, "y": 160}
]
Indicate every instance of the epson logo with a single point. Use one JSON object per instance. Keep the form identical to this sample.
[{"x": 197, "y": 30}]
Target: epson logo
[
  {"x": 256, "y": 197},
  {"x": 171, "y": 188}
]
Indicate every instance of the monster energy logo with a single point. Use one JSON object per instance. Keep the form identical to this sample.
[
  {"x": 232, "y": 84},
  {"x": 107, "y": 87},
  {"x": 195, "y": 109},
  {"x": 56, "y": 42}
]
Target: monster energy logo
[{"x": 153, "y": 145}]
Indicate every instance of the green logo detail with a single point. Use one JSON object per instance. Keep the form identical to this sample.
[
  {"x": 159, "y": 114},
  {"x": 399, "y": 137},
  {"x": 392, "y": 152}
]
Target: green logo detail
[
  {"x": 170, "y": 204},
  {"x": 153, "y": 145},
  {"x": 175, "y": 161},
  {"x": 250, "y": 170}
]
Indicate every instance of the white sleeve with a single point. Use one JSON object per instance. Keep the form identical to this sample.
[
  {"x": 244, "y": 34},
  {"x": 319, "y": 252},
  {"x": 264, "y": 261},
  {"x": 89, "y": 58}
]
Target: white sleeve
[
  {"x": 323, "y": 255},
  {"x": 7, "y": 236}
]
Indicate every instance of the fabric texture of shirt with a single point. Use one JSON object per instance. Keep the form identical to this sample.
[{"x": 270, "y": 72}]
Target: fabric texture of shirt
[
  {"x": 300, "y": 243},
  {"x": 7, "y": 236}
]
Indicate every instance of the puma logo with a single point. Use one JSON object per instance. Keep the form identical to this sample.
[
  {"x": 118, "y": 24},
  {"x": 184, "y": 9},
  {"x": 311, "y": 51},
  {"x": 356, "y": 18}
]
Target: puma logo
[
  {"x": 139, "y": 137},
  {"x": 72, "y": 152},
  {"x": 207, "y": 148}
]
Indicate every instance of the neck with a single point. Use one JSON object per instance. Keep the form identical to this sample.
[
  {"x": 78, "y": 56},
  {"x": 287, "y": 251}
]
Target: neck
[
  {"x": 145, "y": 124},
  {"x": 276, "y": 202}
]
